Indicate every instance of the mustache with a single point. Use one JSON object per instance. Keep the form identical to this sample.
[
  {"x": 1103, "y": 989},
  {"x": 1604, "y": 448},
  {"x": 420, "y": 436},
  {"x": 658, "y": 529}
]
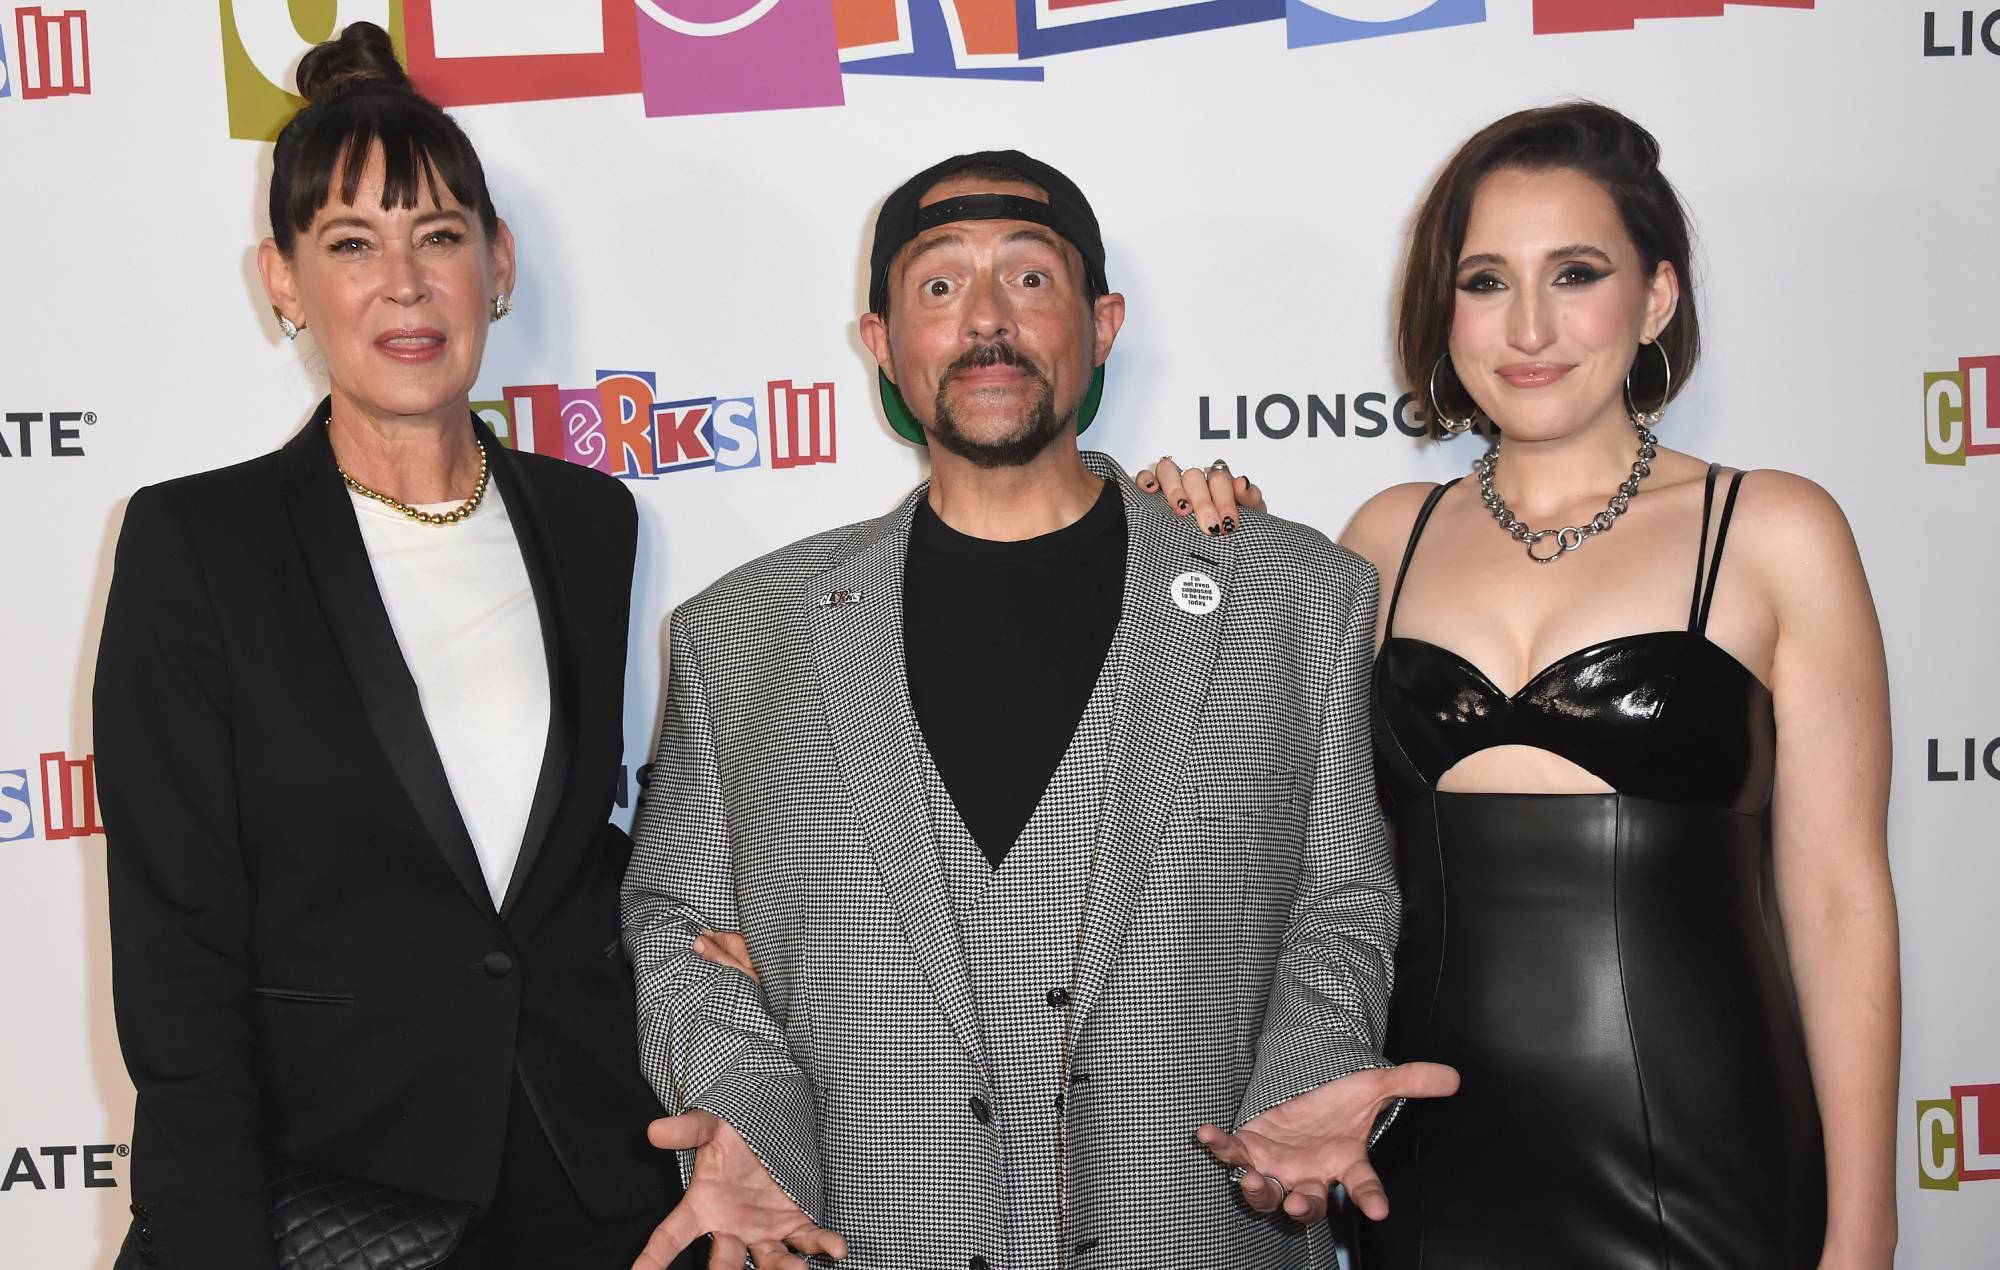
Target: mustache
[{"x": 984, "y": 356}]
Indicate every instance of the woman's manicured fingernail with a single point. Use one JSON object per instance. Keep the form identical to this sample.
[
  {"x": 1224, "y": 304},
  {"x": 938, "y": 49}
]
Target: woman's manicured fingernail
[{"x": 1181, "y": 506}]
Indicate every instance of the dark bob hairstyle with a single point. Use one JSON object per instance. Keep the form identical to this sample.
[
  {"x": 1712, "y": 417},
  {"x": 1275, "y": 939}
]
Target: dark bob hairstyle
[
  {"x": 358, "y": 98},
  {"x": 1583, "y": 137}
]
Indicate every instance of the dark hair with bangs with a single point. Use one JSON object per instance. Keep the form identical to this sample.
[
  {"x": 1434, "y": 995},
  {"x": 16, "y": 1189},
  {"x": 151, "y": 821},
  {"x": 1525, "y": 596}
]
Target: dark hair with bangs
[
  {"x": 358, "y": 98},
  {"x": 1583, "y": 137}
]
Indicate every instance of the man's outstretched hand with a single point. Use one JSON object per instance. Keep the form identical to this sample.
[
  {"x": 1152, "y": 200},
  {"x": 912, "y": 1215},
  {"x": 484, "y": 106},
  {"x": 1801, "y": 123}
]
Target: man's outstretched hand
[
  {"x": 732, "y": 1197},
  {"x": 1294, "y": 1153}
]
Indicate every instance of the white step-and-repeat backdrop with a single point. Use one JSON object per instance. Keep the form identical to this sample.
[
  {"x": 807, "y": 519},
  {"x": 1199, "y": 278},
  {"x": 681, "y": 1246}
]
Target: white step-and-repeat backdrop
[{"x": 692, "y": 183}]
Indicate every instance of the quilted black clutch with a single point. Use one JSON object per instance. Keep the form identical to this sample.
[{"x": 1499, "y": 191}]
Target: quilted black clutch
[{"x": 322, "y": 1221}]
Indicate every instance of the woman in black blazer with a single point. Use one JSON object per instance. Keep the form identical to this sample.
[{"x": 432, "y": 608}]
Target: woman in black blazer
[{"x": 363, "y": 889}]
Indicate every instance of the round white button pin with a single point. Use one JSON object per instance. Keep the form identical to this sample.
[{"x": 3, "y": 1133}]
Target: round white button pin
[{"x": 1196, "y": 593}]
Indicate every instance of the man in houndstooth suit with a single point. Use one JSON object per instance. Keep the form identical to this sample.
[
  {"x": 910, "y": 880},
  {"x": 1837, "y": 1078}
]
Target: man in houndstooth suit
[{"x": 982, "y": 1042}]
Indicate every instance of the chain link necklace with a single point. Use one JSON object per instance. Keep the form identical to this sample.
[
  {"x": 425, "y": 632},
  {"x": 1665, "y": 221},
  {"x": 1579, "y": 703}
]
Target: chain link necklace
[
  {"x": 1569, "y": 537},
  {"x": 451, "y": 517}
]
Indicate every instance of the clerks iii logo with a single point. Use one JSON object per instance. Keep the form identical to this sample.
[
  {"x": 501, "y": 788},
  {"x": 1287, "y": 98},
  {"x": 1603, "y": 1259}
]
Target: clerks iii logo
[
  {"x": 46, "y": 434},
  {"x": 67, "y": 799},
  {"x": 61, "y": 1168},
  {"x": 1280, "y": 416},
  {"x": 624, "y": 426},
  {"x": 1958, "y": 1138},
  {"x": 51, "y": 54},
  {"x": 1962, "y": 411},
  {"x": 1961, "y": 33}
]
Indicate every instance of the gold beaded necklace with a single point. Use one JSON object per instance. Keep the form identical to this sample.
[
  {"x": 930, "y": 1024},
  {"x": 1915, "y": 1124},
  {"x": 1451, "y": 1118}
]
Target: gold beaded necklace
[{"x": 451, "y": 517}]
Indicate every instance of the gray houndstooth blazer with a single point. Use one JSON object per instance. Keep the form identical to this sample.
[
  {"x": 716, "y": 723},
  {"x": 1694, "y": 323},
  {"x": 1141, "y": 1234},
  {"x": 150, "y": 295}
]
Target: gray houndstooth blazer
[{"x": 1234, "y": 951}]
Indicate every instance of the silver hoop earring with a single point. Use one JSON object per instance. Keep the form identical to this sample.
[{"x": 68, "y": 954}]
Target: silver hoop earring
[
  {"x": 503, "y": 304},
  {"x": 1455, "y": 427},
  {"x": 289, "y": 327},
  {"x": 1650, "y": 419}
]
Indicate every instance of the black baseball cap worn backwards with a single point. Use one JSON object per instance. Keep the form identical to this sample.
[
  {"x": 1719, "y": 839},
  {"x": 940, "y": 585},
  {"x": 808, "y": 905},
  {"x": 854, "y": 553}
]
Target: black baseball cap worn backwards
[{"x": 903, "y": 217}]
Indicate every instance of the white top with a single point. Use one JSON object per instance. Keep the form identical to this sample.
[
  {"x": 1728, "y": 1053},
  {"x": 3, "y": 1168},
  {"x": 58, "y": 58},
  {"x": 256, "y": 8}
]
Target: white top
[{"x": 464, "y": 612}]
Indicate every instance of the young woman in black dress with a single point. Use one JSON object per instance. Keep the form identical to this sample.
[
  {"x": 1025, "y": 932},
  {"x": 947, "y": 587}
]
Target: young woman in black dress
[{"x": 1627, "y": 771}]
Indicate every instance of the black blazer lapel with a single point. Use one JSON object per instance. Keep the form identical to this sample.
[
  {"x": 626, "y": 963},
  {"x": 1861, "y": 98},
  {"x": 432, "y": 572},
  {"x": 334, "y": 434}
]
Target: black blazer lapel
[
  {"x": 532, "y": 530},
  {"x": 337, "y": 561}
]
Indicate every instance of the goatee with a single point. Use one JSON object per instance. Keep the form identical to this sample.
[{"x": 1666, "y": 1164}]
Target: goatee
[{"x": 1038, "y": 424}]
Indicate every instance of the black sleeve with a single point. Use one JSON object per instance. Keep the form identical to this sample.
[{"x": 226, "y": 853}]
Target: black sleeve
[{"x": 180, "y": 917}]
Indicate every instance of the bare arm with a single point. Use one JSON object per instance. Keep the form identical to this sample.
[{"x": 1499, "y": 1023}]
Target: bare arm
[
  {"x": 1379, "y": 533},
  {"x": 1831, "y": 848}
]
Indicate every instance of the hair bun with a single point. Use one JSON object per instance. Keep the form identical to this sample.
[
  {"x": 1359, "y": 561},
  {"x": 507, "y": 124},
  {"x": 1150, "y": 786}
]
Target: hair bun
[{"x": 361, "y": 54}]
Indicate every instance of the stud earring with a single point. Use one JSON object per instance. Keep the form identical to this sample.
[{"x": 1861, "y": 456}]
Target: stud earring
[
  {"x": 503, "y": 304},
  {"x": 289, "y": 327}
]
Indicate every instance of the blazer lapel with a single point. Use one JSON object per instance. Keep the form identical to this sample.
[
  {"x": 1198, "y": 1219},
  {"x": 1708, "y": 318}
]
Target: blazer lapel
[
  {"x": 1168, "y": 654},
  {"x": 855, "y": 612},
  {"x": 337, "y": 562},
  {"x": 532, "y": 531}
]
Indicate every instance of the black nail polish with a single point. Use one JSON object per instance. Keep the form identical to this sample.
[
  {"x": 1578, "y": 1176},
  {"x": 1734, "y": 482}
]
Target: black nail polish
[
  {"x": 1183, "y": 504},
  {"x": 1214, "y": 530},
  {"x": 1229, "y": 524}
]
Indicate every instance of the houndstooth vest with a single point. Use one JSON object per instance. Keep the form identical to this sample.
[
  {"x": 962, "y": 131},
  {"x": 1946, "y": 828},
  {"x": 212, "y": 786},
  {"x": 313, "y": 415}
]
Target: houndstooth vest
[{"x": 1021, "y": 924}]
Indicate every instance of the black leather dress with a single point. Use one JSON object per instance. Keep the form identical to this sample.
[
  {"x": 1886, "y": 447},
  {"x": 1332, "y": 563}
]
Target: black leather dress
[{"x": 1598, "y": 967}]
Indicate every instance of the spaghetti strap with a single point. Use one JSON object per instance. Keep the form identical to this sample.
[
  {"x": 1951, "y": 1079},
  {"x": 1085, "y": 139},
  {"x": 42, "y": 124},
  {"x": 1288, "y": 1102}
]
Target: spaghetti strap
[
  {"x": 1715, "y": 557},
  {"x": 1416, "y": 532},
  {"x": 1701, "y": 547}
]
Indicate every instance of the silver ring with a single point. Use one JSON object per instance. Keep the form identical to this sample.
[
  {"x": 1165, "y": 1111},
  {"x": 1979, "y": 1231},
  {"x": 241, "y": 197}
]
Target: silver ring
[
  {"x": 1282, "y": 1191},
  {"x": 1536, "y": 537}
]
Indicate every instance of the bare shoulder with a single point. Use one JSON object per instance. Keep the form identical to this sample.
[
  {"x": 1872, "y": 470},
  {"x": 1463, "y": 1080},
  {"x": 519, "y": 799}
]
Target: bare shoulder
[
  {"x": 1794, "y": 537},
  {"x": 1788, "y": 516},
  {"x": 1380, "y": 527}
]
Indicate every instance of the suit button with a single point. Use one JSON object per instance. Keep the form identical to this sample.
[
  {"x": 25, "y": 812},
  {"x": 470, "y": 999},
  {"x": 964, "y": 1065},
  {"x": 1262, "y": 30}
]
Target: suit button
[
  {"x": 1059, "y": 1104},
  {"x": 1087, "y": 1245},
  {"x": 982, "y": 1111},
  {"x": 1058, "y": 998},
  {"x": 145, "y": 1234},
  {"x": 142, "y": 1210},
  {"x": 498, "y": 964},
  {"x": 978, "y": 1263}
]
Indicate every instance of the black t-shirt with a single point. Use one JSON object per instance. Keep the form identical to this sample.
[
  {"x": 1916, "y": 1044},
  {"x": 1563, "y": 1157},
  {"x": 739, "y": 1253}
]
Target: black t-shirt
[{"x": 1004, "y": 641}]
